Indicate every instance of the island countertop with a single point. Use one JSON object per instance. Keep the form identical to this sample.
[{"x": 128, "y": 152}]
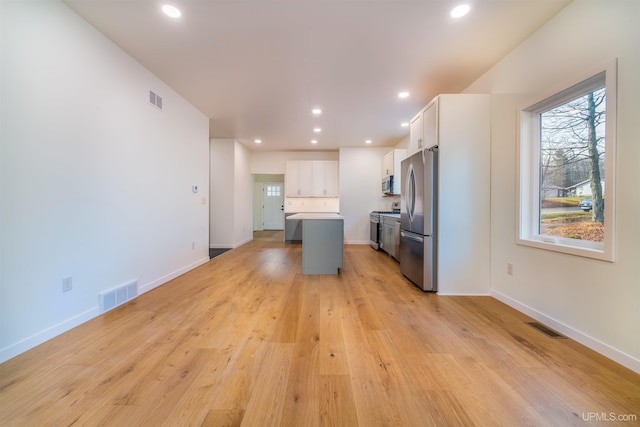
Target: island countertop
[{"x": 316, "y": 215}]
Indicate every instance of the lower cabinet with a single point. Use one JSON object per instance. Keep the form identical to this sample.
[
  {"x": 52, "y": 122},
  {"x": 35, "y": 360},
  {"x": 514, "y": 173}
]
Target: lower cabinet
[
  {"x": 292, "y": 229},
  {"x": 391, "y": 236}
]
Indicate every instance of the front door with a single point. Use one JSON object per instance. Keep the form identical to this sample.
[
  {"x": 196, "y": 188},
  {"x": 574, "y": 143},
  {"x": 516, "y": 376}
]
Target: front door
[{"x": 273, "y": 206}]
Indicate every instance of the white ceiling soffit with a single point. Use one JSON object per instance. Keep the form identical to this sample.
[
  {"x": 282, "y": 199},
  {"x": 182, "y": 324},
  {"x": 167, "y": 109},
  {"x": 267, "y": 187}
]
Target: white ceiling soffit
[{"x": 257, "y": 68}]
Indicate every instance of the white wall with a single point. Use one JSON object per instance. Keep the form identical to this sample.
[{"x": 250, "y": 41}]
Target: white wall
[
  {"x": 243, "y": 202},
  {"x": 595, "y": 302},
  {"x": 360, "y": 193},
  {"x": 275, "y": 162},
  {"x": 222, "y": 190},
  {"x": 95, "y": 181},
  {"x": 231, "y": 214}
]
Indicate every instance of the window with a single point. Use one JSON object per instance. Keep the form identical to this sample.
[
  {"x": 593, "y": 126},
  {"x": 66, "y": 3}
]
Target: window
[
  {"x": 567, "y": 170},
  {"x": 273, "y": 190}
]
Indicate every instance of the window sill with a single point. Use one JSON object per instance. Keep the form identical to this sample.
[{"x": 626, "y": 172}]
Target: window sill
[{"x": 568, "y": 246}]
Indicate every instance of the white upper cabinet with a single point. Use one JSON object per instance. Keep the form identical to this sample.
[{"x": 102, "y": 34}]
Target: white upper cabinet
[
  {"x": 387, "y": 164},
  {"x": 391, "y": 162},
  {"x": 430, "y": 124},
  {"x": 424, "y": 128},
  {"x": 391, "y": 167},
  {"x": 416, "y": 134},
  {"x": 292, "y": 179},
  {"x": 312, "y": 178},
  {"x": 331, "y": 178},
  {"x": 306, "y": 177}
]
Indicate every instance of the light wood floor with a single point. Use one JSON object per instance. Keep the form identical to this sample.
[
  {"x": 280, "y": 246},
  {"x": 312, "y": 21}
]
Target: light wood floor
[{"x": 246, "y": 339}]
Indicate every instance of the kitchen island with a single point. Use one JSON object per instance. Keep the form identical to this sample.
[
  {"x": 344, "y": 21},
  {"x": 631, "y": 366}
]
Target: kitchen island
[{"x": 322, "y": 242}]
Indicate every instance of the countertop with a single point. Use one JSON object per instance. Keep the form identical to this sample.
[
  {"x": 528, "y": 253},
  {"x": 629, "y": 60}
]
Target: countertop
[{"x": 319, "y": 215}]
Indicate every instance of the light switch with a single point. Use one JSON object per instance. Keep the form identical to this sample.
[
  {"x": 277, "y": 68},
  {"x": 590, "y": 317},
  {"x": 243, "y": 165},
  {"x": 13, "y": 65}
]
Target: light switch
[{"x": 194, "y": 188}]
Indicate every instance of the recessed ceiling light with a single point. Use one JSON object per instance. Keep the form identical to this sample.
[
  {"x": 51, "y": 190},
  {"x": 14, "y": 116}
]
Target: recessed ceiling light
[
  {"x": 317, "y": 130},
  {"x": 316, "y": 111},
  {"x": 171, "y": 11},
  {"x": 403, "y": 95},
  {"x": 258, "y": 141},
  {"x": 314, "y": 141},
  {"x": 460, "y": 11},
  {"x": 368, "y": 141},
  {"x": 404, "y": 124}
]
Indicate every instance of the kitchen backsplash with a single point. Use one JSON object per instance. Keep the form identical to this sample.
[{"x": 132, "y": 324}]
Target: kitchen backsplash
[{"x": 311, "y": 204}]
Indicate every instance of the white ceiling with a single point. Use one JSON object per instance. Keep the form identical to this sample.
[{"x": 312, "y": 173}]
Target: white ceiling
[{"x": 256, "y": 68}]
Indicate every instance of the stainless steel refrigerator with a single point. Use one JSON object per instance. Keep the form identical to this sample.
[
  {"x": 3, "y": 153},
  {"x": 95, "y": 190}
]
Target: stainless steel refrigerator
[{"x": 418, "y": 219}]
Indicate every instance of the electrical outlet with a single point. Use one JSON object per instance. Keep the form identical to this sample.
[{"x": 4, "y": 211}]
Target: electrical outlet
[
  {"x": 193, "y": 245},
  {"x": 67, "y": 284},
  {"x": 510, "y": 269}
]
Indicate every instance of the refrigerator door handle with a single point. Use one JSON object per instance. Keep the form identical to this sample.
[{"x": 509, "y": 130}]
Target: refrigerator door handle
[
  {"x": 410, "y": 193},
  {"x": 412, "y": 237}
]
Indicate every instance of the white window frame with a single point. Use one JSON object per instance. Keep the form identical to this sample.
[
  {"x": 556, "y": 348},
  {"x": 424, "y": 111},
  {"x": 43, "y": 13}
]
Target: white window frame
[{"x": 528, "y": 153}]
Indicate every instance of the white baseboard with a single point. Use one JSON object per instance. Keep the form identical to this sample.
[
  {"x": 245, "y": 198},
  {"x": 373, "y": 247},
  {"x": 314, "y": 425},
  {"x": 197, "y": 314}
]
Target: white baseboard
[
  {"x": 229, "y": 245},
  {"x": 242, "y": 242},
  {"x": 356, "y": 242},
  {"x": 164, "y": 279},
  {"x": 45, "y": 335},
  {"x": 462, "y": 294},
  {"x": 594, "y": 344}
]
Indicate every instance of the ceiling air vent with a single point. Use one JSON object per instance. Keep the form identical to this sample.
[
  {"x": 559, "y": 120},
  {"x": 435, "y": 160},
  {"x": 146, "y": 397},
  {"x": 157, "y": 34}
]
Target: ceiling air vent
[{"x": 155, "y": 99}]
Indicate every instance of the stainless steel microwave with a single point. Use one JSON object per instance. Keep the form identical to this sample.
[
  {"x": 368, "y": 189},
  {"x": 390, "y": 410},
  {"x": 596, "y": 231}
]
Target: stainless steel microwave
[{"x": 387, "y": 185}]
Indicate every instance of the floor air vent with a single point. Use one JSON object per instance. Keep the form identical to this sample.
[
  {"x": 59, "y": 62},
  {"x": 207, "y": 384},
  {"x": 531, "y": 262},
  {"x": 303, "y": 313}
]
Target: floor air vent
[
  {"x": 114, "y": 297},
  {"x": 549, "y": 332}
]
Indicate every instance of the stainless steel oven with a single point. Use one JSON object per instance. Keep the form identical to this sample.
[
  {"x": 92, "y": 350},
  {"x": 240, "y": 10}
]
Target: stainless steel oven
[
  {"x": 375, "y": 225},
  {"x": 375, "y": 231}
]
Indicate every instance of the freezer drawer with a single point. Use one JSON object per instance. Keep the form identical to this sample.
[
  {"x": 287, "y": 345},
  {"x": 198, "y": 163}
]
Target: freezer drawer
[{"x": 417, "y": 261}]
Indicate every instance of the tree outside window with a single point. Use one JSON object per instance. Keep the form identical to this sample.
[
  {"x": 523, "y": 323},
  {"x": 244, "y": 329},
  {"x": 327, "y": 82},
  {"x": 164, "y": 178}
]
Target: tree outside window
[{"x": 572, "y": 154}]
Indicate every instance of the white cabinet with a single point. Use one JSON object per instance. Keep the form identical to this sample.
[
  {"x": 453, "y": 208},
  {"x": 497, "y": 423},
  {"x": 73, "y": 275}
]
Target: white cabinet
[
  {"x": 424, "y": 128},
  {"x": 430, "y": 124},
  {"x": 460, "y": 126},
  {"x": 391, "y": 167},
  {"x": 312, "y": 178},
  {"x": 391, "y": 162},
  {"x": 292, "y": 179},
  {"x": 387, "y": 164},
  {"x": 305, "y": 178},
  {"x": 416, "y": 134},
  {"x": 331, "y": 178},
  {"x": 325, "y": 178}
]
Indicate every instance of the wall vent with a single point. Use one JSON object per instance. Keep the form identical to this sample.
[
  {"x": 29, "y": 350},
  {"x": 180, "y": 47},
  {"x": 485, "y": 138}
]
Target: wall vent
[
  {"x": 545, "y": 330},
  {"x": 114, "y": 297},
  {"x": 155, "y": 99}
]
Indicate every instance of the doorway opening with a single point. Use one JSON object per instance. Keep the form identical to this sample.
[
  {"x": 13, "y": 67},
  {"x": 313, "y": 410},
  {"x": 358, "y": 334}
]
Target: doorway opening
[{"x": 268, "y": 202}]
